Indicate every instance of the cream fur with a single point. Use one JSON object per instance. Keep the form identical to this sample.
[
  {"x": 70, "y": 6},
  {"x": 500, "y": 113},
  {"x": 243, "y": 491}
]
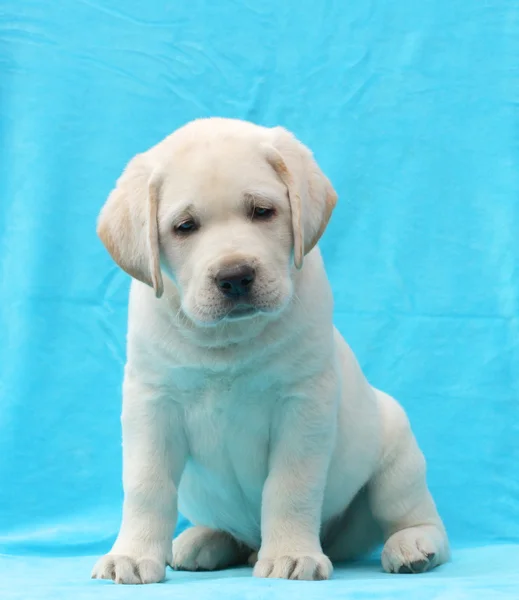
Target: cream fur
[{"x": 258, "y": 425}]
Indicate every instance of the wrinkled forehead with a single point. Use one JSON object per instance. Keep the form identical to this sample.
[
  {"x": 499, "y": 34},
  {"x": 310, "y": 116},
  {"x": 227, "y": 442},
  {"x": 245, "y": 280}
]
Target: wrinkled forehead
[{"x": 219, "y": 173}]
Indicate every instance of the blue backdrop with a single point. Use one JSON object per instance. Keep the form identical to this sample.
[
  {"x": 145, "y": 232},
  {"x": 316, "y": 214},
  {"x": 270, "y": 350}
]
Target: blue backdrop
[{"x": 411, "y": 108}]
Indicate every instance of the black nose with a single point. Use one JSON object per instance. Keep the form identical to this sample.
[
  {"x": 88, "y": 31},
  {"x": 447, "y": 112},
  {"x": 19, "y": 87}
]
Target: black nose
[{"x": 235, "y": 282}]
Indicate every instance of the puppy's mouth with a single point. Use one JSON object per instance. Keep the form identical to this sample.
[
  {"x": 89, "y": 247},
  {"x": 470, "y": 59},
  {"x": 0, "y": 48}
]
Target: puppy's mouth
[
  {"x": 212, "y": 310},
  {"x": 241, "y": 311},
  {"x": 223, "y": 314}
]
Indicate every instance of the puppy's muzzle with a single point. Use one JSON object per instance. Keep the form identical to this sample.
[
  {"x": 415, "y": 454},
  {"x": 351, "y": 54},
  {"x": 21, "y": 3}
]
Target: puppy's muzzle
[{"x": 235, "y": 282}]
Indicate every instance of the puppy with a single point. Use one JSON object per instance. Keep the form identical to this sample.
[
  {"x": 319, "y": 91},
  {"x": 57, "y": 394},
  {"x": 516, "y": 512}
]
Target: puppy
[{"x": 243, "y": 407}]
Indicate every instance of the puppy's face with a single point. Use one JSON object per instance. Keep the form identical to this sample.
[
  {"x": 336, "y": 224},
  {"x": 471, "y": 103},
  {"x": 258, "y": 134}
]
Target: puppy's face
[
  {"x": 225, "y": 231},
  {"x": 225, "y": 209}
]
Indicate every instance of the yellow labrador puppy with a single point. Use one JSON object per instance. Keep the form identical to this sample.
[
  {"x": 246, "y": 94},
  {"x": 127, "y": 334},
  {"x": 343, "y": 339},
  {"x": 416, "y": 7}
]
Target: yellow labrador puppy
[{"x": 242, "y": 404}]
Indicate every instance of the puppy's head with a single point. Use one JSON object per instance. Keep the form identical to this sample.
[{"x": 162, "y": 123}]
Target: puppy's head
[{"x": 223, "y": 208}]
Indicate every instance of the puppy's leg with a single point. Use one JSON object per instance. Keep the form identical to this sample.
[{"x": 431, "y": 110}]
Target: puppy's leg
[
  {"x": 301, "y": 446},
  {"x": 416, "y": 540},
  {"x": 154, "y": 453},
  {"x": 204, "y": 549}
]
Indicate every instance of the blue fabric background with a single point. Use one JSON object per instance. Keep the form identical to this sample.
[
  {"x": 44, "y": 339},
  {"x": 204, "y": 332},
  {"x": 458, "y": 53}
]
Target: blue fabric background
[{"x": 412, "y": 110}]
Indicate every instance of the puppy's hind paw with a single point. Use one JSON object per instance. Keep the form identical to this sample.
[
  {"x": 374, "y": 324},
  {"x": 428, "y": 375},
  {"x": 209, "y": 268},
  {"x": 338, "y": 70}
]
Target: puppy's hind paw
[{"x": 414, "y": 550}]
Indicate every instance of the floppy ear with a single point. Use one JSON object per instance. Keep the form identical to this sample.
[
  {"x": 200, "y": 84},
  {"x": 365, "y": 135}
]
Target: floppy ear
[
  {"x": 128, "y": 225},
  {"x": 310, "y": 193}
]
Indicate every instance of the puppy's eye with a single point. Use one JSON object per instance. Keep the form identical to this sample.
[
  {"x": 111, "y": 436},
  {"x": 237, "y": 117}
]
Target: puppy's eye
[
  {"x": 260, "y": 212},
  {"x": 187, "y": 226}
]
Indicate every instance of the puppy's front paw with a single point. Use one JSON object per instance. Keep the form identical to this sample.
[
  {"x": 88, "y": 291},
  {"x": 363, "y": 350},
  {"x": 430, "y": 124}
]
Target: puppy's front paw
[
  {"x": 307, "y": 567},
  {"x": 127, "y": 569},
  {"x": 414, "y": 550}
]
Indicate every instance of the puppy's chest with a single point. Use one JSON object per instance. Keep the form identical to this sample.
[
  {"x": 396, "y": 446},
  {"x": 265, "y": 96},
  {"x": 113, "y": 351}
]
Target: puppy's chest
[{"x": 227, "y": 424}]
